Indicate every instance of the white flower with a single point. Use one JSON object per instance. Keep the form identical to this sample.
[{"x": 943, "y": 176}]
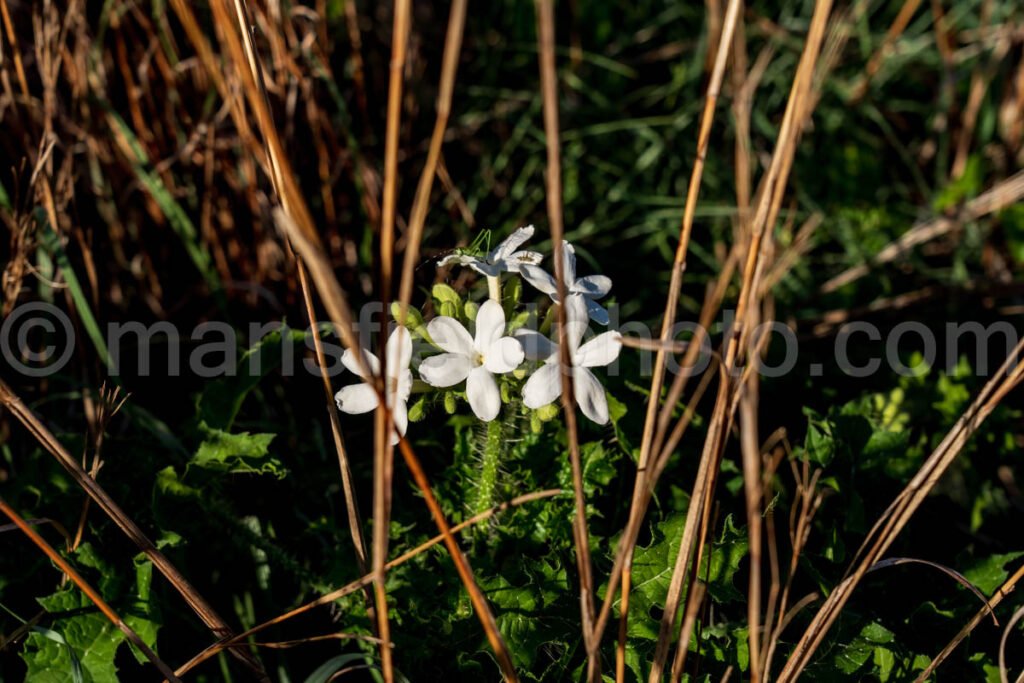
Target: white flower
[
  {"x": 362, "y": 398},
  {"x": 475, "y": 360},
  {"x": 545, "y": 385},
  {"x": 503, "y": 257},
  {"x": 589, "y": 288}
]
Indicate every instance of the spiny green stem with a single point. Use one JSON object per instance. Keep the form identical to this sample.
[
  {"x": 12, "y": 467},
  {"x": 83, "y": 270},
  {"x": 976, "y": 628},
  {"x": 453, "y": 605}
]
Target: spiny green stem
[{"x": 487, "y": 484}]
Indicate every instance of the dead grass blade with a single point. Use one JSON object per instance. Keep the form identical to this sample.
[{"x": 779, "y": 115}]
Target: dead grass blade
[
  {"x": 383, "y": 459},
  {"x": 351, "y": 503},
  {"x": 90, "y": 593},
  {"x": 549, "y": 89},
  {"x": 49, "y": 442},
  {"x": 769, "y": 200},
  {"x": 896, "y": 516},
  {"x": 643, "y": 483},
  {"x": 418, "y": 216},
  {"x": 1001, "y": 195},
  {"x": 365, "y": 580},
  {"x": 1008, "y": 586}
]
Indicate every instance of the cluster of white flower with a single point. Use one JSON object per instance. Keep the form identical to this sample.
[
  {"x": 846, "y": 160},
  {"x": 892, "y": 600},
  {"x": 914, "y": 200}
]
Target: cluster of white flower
[{"x": 476, "y": 358}]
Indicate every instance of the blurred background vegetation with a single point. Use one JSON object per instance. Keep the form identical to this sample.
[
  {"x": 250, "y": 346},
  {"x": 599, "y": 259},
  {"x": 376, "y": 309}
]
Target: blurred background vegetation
[{"x": 129, "y": 193}]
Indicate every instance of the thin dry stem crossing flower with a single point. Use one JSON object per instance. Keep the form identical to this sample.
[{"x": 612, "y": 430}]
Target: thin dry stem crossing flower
[
  {"x": 581, "y": 536},
  {"x": 624, "y": 550}
]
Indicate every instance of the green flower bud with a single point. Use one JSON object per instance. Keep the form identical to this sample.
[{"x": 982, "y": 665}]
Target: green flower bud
[
  {"x": 548, "y": 412},
  {"x": 418, "y": 410},
  {"x": 449, "y": 402},
  {"x": 536, "y": 425},
  {"x": 506, "y": 393},
  {"x": 449, "y": 309},
  {"x": 471, "y": 309},
  {"x": 413, "y": 318}
]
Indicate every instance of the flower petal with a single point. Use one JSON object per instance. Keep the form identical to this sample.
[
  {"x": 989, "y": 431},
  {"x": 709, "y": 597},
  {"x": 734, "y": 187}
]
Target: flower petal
[
  {"x": 590, "y": 395},
  {"x": 404, "y": 385},
  {"x": 513, "y": 262},
  {"x": 487, "y": 269},
  {"x": 597, "y": 312},
  {"x": 399, "y": 350},
  {"x": 593, "y": 286},
  {"x": 450, "y": 335},
  {"x": 543, "y": 387},
  {"x": 576, "y": 320},
  {"x": 539, "y": 278},
  {"x": 535, "y": 345},
  {"x": 445, "y": 370},
  {"x": 510, "y": 244},
  {"x": 601, "y": 350},
  {"x": 504, "y": 355},
  {"x": 356, "y": 398},
  {"x": 456, "y": 259},
  {"x": 348, "y": 359},
  {"x": 490, "y": 325},
  {"x": 483, "y": 395},
  {"x": 400, "y": 416},
  {"x": 569, "y": 260}
]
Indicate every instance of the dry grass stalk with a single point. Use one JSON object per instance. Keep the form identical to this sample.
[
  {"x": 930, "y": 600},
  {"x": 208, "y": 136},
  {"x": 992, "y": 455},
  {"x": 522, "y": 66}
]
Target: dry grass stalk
[
  {"x": 896, "y": 516},
  {"x": 49, "y": 442},
  {"x": 89, "y": 591},
  {"x": 351, "y": 502},
  {"x": 1008, "y": 587},
  {"x": 642, "y": 485},
  {"x": 418, "y": 216},
  {"x": 1003, "y": 194},
  {"x": 333, "y": 297},
  {"x": 383, "y": 459},
  {"x": 365, "y": 580},
  {"x": 549, "y": 89},
  {"x": 769, "y": 198}
]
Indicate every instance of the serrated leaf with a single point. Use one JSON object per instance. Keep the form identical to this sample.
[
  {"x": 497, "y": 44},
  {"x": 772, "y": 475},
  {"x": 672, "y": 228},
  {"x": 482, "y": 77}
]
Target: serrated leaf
[{"x": 237, "y": 453}]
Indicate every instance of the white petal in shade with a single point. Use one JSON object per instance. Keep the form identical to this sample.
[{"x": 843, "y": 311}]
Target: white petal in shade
[
  {"x": 539, "y": 278},
  {"x": 400, "y": 416},
  {"x": 486, "y": 269},
  {"x": 404, "y": 385},
  {"x": 543, "y": 387},
  {"x": 503, "y": 356},
  {"x": 594, "y": 286},
  {"x": 576, "y": 320},
  {"x": 597, "y": 312},
  {"x": 490, "y": 325},
  {"x": 535, "y": 345},
  {"x": 569, "y": 260},
  {"x": 483, "y": 395},
  {"x": 445, "y": 370},
  {"x": 515, "y": 261},
  {"x": 450, "y": 335},
  {"x": 511, "y": 243},
  {"x": 348, "y": 359},
  {"x": 399, "y": 350},
  {"x": 356, "y": 399},
  {"x": 590, "y": 395},
  {"x": 599, "y": 351},
  {"x": 460, "y": 259}
]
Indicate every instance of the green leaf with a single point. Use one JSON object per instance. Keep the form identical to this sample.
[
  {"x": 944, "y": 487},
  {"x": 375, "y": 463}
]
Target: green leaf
[
  {"x": 652, "y": 572},
  {"x": 990, "y": 573},
  {"x": 243, "y": 453},
  {"x": 869, "y": 644},
  {"x": 222, "y": 398}
]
